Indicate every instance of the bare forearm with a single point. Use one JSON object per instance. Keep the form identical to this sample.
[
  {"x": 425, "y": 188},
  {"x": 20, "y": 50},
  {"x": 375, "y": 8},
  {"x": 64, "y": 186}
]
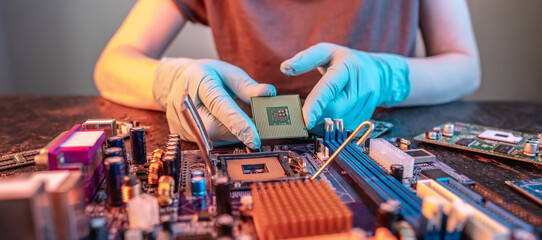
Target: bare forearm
[
  {"x": 442, "y": 78},
  {"x": 125, "y": 75}
]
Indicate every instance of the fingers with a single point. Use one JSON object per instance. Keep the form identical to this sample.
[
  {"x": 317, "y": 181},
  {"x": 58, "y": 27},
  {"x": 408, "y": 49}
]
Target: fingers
[
  {"x": 326, "y": 90},
  {"x": 309, "y": 59},
  {"x": 241, "y": 84},
  {"x": 220, "y": 104}
]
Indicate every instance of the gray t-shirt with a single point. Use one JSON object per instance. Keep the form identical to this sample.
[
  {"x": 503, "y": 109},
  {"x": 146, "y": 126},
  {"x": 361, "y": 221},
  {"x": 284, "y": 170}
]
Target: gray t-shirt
[{"x": 257, "y": 35}]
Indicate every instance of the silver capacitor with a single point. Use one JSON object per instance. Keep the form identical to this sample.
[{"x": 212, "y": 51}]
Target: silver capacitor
[
  {"x": 448, "y": 130},
  {"x": 431, "y": 135},
  {"x": 530, "y": 149}
]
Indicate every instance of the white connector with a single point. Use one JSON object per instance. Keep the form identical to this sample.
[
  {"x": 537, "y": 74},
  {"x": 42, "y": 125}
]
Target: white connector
[
  {"x": 478, "y": 226},
  {"x": 385, "y": 154}
]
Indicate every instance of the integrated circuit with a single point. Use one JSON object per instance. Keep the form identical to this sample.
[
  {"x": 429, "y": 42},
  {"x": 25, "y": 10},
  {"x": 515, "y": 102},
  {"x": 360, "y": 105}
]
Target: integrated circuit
[
  {"x": 421, "y": 155},
  {"x": 467, "y": 142},
  {"x": 278, "y": 117},
  {"x": 503, "y": 148},
  {"x": 435, "y": 173}
]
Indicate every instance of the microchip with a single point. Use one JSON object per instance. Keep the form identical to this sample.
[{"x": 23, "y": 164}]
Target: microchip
[
  {"x": 278, "y": 117},
  {"x": 467, "y": 142},
  {"x": 421, "y": 155},
  {"x": 435, "y": 173},
  {"x": 503, "y": 148}
]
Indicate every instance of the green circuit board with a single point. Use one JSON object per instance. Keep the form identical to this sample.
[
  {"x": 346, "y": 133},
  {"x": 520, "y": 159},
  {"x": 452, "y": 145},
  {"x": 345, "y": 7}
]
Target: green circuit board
[{"x": 487, "y": 140}]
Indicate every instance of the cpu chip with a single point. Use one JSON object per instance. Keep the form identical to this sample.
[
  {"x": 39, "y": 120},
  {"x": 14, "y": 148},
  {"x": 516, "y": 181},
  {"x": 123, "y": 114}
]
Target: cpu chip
[
  {"x": 278, "y": 117},
  {"x": 467, "y": 142}
]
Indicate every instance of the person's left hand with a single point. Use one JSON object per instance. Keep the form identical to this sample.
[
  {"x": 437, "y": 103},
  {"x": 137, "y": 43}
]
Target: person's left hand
[{"x": 353, "y": 83}]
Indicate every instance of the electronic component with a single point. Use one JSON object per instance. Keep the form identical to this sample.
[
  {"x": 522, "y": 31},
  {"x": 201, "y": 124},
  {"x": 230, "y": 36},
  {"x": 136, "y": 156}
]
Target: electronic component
[
  {"x": 166, "y": 190},
  {"x": 114, "y": 171},
  {"x": 503, "y": 148},
  {"x": 431, "y": 135},
  {"x": 44, "y": 205},
  {"x": 109, "y": 125},
  {"x": 224, "y": 225},
  {"x": 278, "y": 117},
  {"x": 223, "y": 196},
  {"x": 117, "y": 141},
  {"x": 139, "y": 147},
  {"x": 500, "y": 136},
  {"x": 20, "y": 159},
  {"x": 98, "y": 229},
  {"x": 530, "y": 188},
  {"x": 113, "y": 151},
  {"x": 481, "y": 225},
  {"x": 388, "y": 214},
  {"x": 448, "y": 129},
  {"x": 486, "y": 140},
  {"x": 131, "y": 188},
  {"x": 198, "y": 173},
  {"x": 155, "y": 171},
  {"x": 421, "y": 156},
  {"x": 434, "y": 173},
  {"x": 322, "y": 207},
  {"x": 531, "y": 148},
  {"x": 397, "y": 171},
  {"x": 168, "y": 164},
  {"x": 385, "y": 154},
  {"x": 143, "y": 212},
  {"x": 467, "y": 142},
  {"x": 198, "y": 186},
  {"x": 78, "y": 150}
]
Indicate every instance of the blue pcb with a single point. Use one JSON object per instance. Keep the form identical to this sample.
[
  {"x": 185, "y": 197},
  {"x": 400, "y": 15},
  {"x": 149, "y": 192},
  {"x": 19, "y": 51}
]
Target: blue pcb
[{"x": 531, "y": 188}]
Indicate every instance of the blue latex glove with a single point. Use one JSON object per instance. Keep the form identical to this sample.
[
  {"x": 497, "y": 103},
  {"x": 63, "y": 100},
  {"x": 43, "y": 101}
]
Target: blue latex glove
[
  {"x": 353, "y": 83},
  {"x": 212, "y": 85}
]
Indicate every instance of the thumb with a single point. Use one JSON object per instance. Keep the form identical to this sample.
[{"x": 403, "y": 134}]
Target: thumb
[{"x": 309, "y": 59}]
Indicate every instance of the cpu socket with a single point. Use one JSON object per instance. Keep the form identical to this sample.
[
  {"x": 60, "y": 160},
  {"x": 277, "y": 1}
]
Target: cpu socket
[{"x": 256, "y": 167}]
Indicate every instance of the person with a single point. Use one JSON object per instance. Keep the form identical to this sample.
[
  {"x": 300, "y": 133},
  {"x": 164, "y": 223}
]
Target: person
[{"x": 344, "y": 58}]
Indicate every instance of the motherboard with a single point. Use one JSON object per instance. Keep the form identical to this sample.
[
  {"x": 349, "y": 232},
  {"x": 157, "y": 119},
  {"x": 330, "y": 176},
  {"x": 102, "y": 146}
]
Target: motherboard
[{"x": 342, "y": 184}]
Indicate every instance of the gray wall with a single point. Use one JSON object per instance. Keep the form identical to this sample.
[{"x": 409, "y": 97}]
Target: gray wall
[{"x": 50, "y": 47}]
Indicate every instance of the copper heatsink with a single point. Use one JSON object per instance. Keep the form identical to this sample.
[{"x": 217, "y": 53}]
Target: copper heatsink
[{"x": 298, "y": 209}]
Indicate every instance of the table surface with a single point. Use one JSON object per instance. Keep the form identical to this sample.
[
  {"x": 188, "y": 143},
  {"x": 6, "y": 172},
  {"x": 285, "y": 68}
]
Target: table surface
[{"x": 30, "y": 122}]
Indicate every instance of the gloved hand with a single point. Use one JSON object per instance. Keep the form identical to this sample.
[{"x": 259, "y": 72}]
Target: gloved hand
[
  {"x": 353, "y": 83},
  {"x": 212, "y": 85}
]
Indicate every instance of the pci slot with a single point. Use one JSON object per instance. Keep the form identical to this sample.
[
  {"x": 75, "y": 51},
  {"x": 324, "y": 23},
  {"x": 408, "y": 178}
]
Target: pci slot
[
  {"x": 489, "y": 208},
  {"x": 375, "y": 181},
  {"x": 479, "y": 226}
]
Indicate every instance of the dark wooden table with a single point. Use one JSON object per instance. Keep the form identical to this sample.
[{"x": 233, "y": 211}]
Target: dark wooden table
[{"x": 30, "y": 122}]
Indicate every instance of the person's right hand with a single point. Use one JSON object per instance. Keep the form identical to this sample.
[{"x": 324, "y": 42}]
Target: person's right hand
[{"x": 212, "y": 85}]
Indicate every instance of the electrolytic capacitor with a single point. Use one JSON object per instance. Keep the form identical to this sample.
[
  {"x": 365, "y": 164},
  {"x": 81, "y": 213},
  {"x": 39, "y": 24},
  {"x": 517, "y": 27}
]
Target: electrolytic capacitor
[
  {"x": 177, "y": 162},
  {"x": 448, "y": 130},
  {"x": 530, "y": 149},
  {"x": 197, "y": 173},
  {"x": 223, "y": 195},
  {"x": 112, "y": 152},
  {"x": 98, "y": 229},
  {"x": 397, "y": 171},
  {"x": 117, "y": 141},
  {"x": 224, "y": 225},
  {"x": 131, "y": 188},
  {"x": 388, "y": 214},
  {"x": 431, "y": 135},
  {"x": 139, "y": 147},
  {"x": 198, "y": 186},
  {"x": 177, "y": 151},
  {"x": 168, "y": 164},
  {"x": 114, "y": 172}
]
